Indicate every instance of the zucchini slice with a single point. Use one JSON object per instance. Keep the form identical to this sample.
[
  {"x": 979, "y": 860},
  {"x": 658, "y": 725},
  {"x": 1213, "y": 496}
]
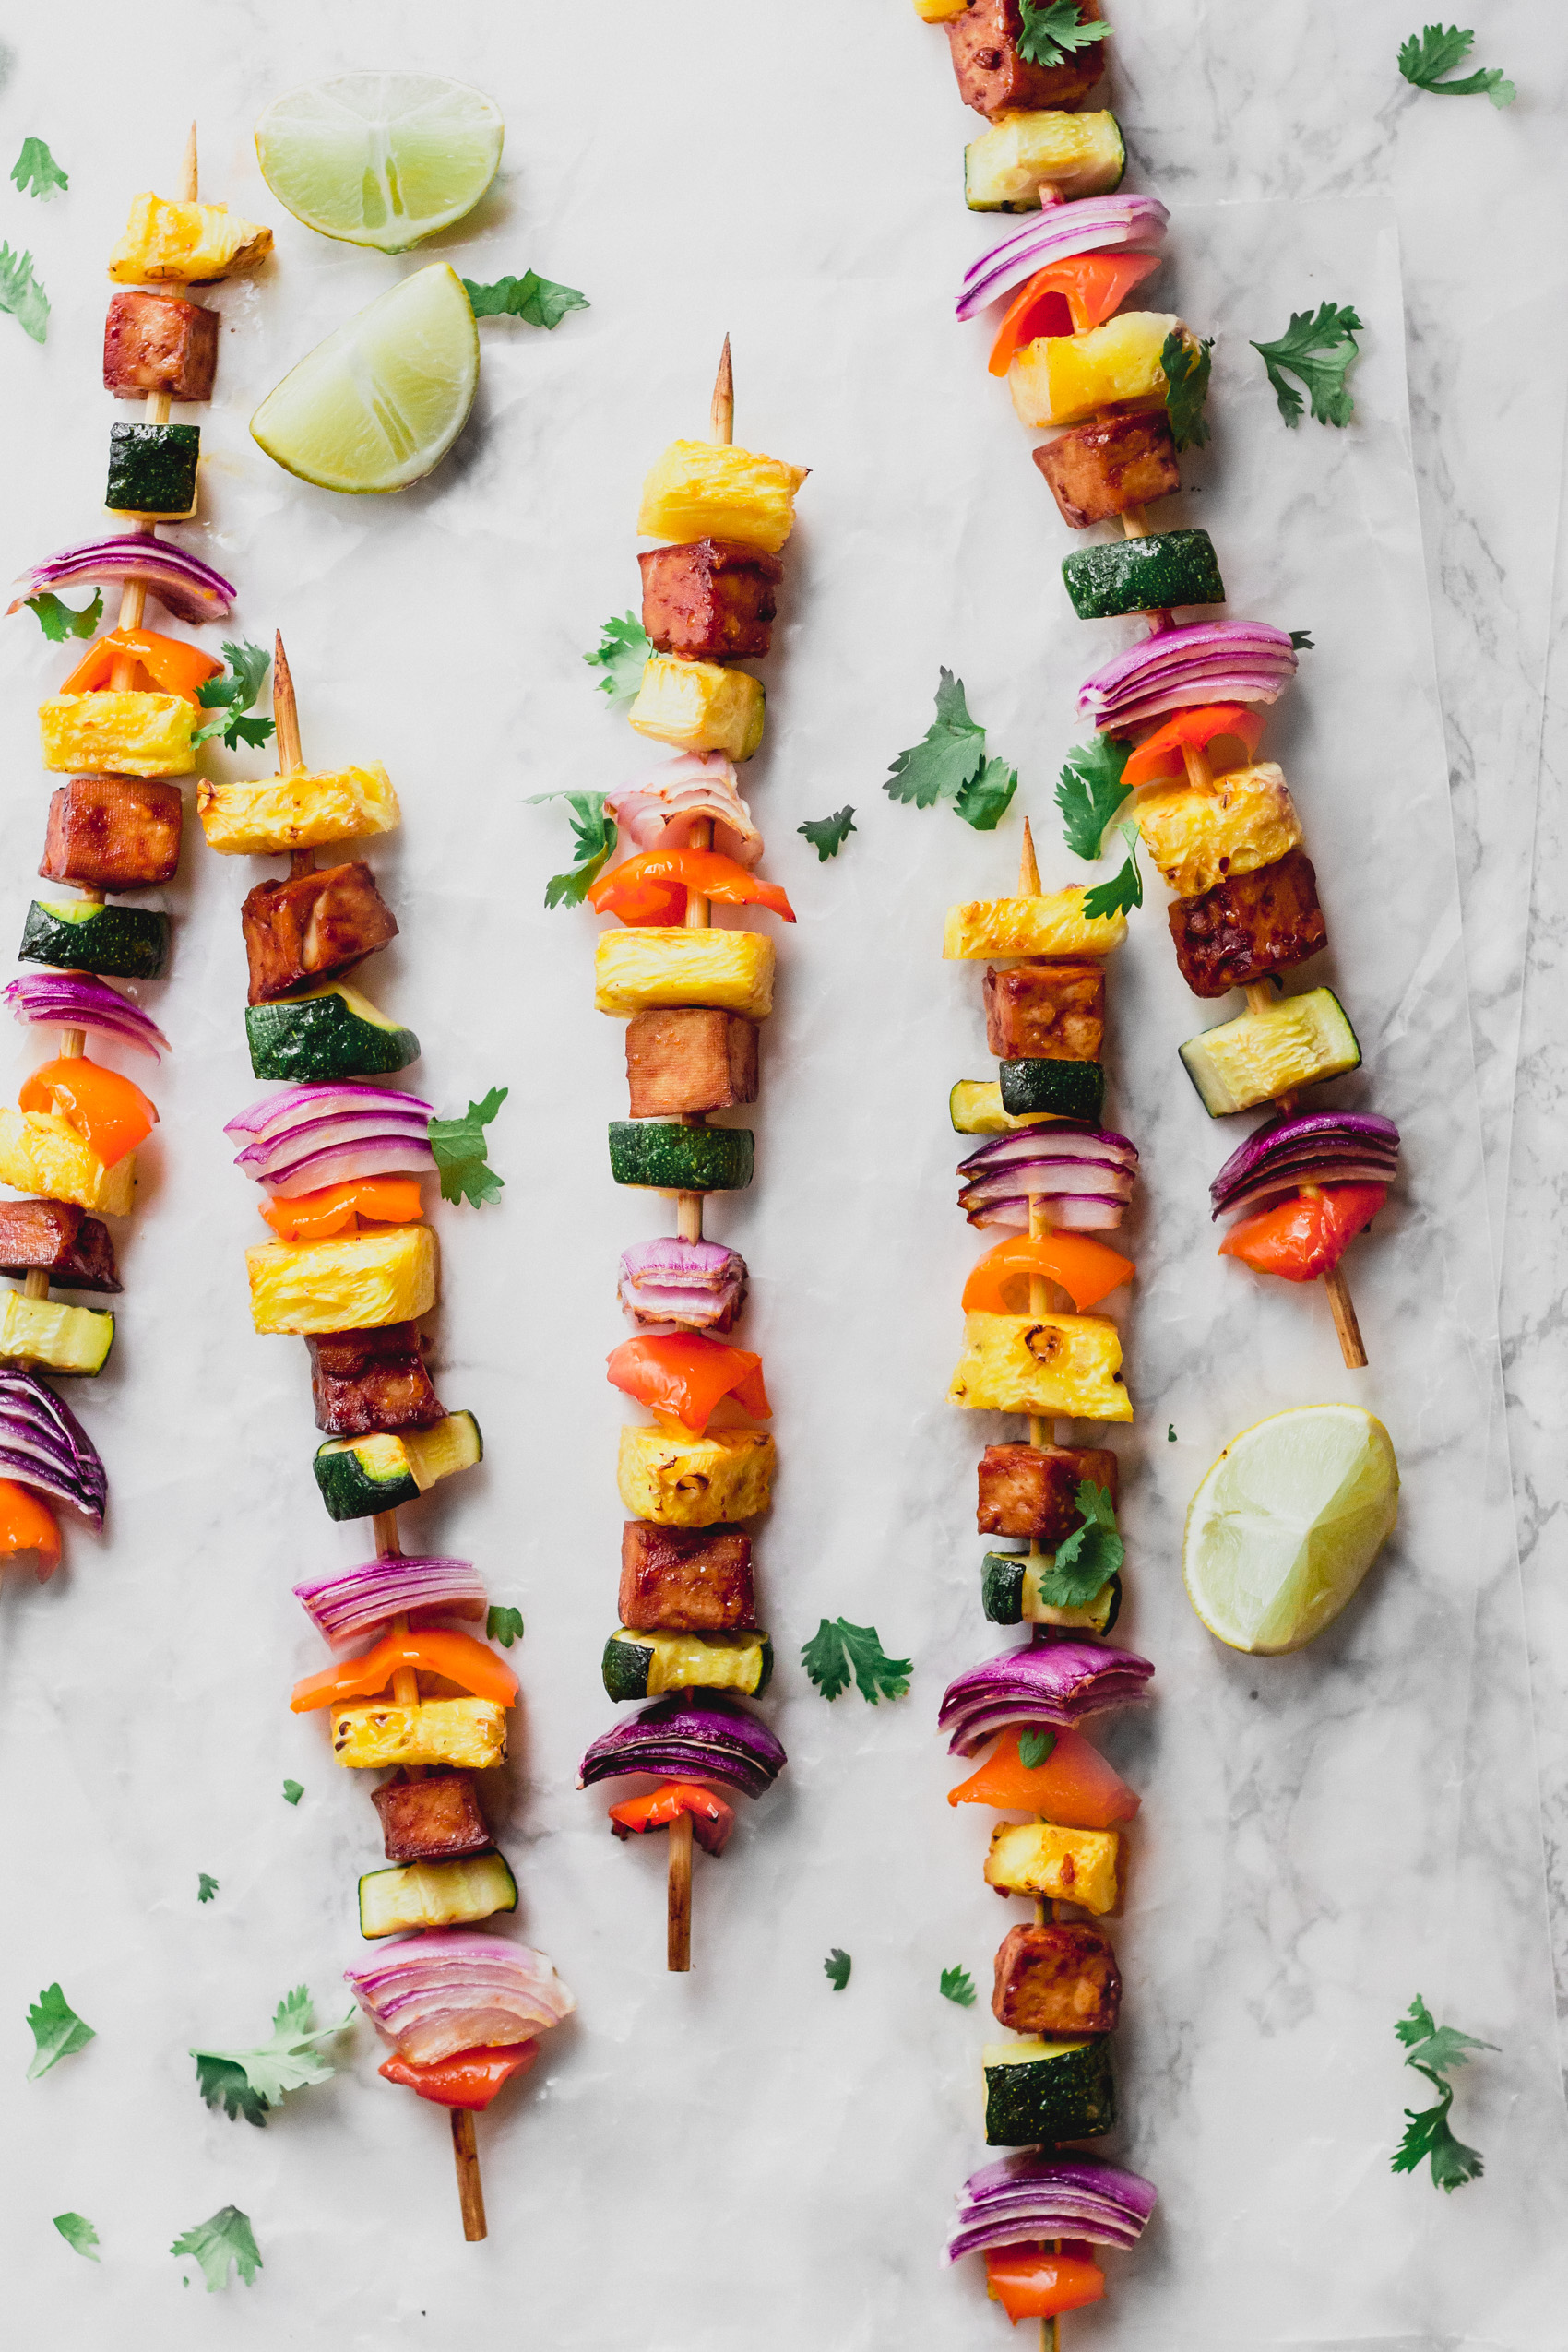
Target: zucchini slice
[
  {"x": 79, "y": 935},
  {"x": 359, "y": 1476},
  {"x": 668, "y": 1157},
  {"x": 1065, "y": 1089},
  {"x": 1078, "y": 154},
  {"x": 974, "y": 1105},
  {"x": 1039, "y": 2090},
  {"x": 152, "y": 471},
  {"x": 1010, "y": 1594},
  {"x": 1297, "y": 1043},
  {"x": 329, "y": 1032},
  {"x": 435, "y": 1894},
  {"x": 1143, "y": 575},
  {"x": 643, "y": 1666},
  {"x": 56, "y": 1338}
]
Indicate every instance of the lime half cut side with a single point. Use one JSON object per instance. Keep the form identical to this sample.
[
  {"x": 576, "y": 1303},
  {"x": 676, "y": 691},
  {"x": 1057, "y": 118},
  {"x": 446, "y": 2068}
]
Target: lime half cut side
[
  {"x": 1285, "y": 1524},
  {"x": 382, "y": 400},
  {"x": 380, "y": 158}
]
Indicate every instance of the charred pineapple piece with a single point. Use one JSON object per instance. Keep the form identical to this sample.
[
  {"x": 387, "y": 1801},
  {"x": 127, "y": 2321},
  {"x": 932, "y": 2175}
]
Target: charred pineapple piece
[
  {"x": 1062, "y": 379},
  {"x": 680, "y": 1481},
  {"x": 347, "y": 1283},
  {"x": 297, "y": 812},
  {"x": 40, "y": 1153},
  {"x": 640, "y": 969},
  {"x": 1052, "y": 924},
  {"x": 1081, "y": 1866},
  {"x": 1067, "y": 1364},
  {"x": 699, "y": 706},
  {"x": 1198, "y": 836},
  {"x": 702, "y": 490},
  {"x": 370, "y": 1733},
  {"x": 130, "y": 734},
  {"x": 185, "y": 245}
]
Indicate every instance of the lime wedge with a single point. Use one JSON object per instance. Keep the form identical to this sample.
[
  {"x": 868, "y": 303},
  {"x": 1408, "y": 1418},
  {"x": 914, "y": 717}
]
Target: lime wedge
[
  {"x": 1285, "y": 1524},
  {"x": 382, "y": 400},
  {"x": 380, "y": 158}
]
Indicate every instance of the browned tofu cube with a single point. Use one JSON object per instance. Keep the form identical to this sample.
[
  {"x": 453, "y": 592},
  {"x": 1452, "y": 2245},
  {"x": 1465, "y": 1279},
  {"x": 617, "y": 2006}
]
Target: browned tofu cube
[
  {"x": 1045, "y": 1012},
  {"x": 365, "y": 1381},
  {"x": 112, "y": 833},
  {"x": 312, "y": 927},
  {"x": 710, "y": 601},
  {"x": 686, "y": 1580},
  {"x": 158, "y": 343},
  {"x": 1033, "y": 1489},
  {"x": 1100, "y": 469},
  {"x": 1057, "y": 1979},
  {"x": 689, "y": 1057},
  {"x": 993, "y": 78},
  {"x": 75, "y": 1250},
  {"x": 424, "y": 1821},
  {"x": 1249, "y": 926}
]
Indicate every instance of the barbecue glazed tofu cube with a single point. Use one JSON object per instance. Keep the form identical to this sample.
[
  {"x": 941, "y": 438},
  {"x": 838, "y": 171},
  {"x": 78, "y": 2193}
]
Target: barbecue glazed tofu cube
[
  {"x": 689, "y": 1057},
  {"x": 312, "y": 927},
  {"x": 710, "y": 601},
  {"x": 158, "y": 343},
  {"x": 362, "y": 1383},
  {"x": 112, "y": 833},
  {"x": 1100, "y": 469},
  {"x": 55, "y": 1236},
  {"x": 709, "y": 490},
  {"x": 1057, "y": 1979},
  {"x": 1249, "y": 926},
  {"x": 128, "y": 734},
  {"x": 426, "y": 1821},
  {"x": 1246, "y": 819},
  {"x": 1032, "y": 1491},
  {"x": 679, "y": 1480},
  {"x": 40, "y": 1153},
  {"x": 686, "y": 1580},
  {"x": 185, "y": 245},
  {"x": 1058, "y": 1865},
  {"x": 1067, "y": 1364},
  {"x": 994, "y": 79},
  {"x": 1045, "y": 1012}
]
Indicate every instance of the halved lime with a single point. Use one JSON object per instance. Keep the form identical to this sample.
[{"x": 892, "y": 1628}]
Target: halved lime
[
  {"x": 382, "y": 400},
  {"x": 380, "y": 158},
  {"x": 1285, "y": 1524}
]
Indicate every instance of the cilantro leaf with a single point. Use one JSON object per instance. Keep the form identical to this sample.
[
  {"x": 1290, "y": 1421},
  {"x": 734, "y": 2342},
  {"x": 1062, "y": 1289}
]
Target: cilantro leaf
[
  {"x": 1318, "y": 347},
  {"x": 1091, "y": 1555},
  {"x": 1034, "y": 1747},
  {"x": 1125, "y": 888},
  {"x": 205, "y": 1887},
  {"x": 35, "y": 171},
  {"x": 540, "y": 300},
  {"x": 1301, "y": 641},
  {"x": 595, "y": 835},
  {"x": 950, "y": 756},
  {"x": 1434, "y": 2051},
  {"x": 251, "y": 2082},
  {"x": 57, "y": 2031},
  {"x": 1090, "y": 791},
  {"x": 984, "y": 799},
  {"x": 75, "y": 2227},
  {"x": 1170, "y": 1438},
  {"x": 293, "y": 1791},
  {"x": 223, "y": 2238},
  {"x": 837, "y": 1650},
  {"x": 59, "y": 621},
  {"x": 623, "y": 649},
  {"x": 1424, "y": 59},
  {"x": 459, "y": 1147},
  {"x": 505, "y": 1625},
  {"x": 956, "y": 1984},
  {"x": 22, "y": 294},
  {"x": 230, "y": 694},
  {"x": 828, "y": 835},
  {"x": 836, "y": 1968},
  {"x": 1435, "y": 2046},
  {"x": 1051, "y": 32},
  {"x": 1186, "y": 365}
]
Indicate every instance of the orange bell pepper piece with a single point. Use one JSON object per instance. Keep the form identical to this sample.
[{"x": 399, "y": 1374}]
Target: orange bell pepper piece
[
  {"x": 1158, "y": 758},
  {"x": 1087, "y": 1270},
  {"x": 1072, "y": 1785},
  {"x": 684, "y": 1375},
  {"x": 653, "y": 888},
  {"x": 27, "y": 1523},
  {"x": 712, "y": 1819},
  {"x": 168, "y": 665},
  {"x": 457, "y": 1656},
  {"x": 114, "y": 1115},
  {"x": 1031, "y": 2284},
  {"x": 311, "y": 1216},
  {"x": 470, "y": 2079},
  {"x": 1303, "y": 1238},
  {"x": 1067, "y": 296}
]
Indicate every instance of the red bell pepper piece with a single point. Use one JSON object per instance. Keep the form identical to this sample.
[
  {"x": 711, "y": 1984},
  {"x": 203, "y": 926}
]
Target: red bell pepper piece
[
  {"x": 167, "y": 664},
  {"x": 1031, "y": 2284},
  {"x": 1066, "y": 297},
  {"x": 27, "y": 1523},
  {"x": 684, "y": 1375},
  {"x": 457, "y": 1657},
  {"x": 1303, "y": 1238},
  {"x": 712, "y": 1819},
  {"x": 1072, "y": 1785},
  {"x": 311, "y": 1216},
  {"x": 471, "y": 2079},
  {"x": 112, "y": 1114},
  {"x": 1158, "y": 758},
  {"x": 1087, "y": 1270},
  {"x": 652, "y": 888}
]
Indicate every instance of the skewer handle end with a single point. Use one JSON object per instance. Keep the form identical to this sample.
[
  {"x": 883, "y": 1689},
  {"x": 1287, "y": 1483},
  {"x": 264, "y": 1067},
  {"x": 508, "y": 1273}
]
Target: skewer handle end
[
  {"x": 721, "y": 415},
  {"x": 679, "y": 1951},
  {"x": 470, "y": 2189}
]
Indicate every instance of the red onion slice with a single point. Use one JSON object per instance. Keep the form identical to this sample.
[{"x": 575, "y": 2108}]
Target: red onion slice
[
  {"x": 1088, "y": 225},
  {"x": 449, "y": 1989},
  {"x": 352, "y": 1601},
  {"x": 184, "y": 585},
  {"x": 44, "y": 1445},
  {"x": 1206, "y": 661},
  {"x": 77, "y": 1001},
  {"x": 1056, "y": 1681},
  {"x": 1289, "y": 1152},
  {"x": 699, "y": 1284},
  {"x": 1083, "y": 1214},
  {"x": 1034, "y": 2194},
  {"x": 705, "y": 1739}
]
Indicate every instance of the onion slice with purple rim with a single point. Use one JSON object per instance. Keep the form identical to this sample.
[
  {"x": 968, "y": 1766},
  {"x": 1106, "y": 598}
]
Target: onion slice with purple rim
[
  {"x": 698, "y": 1284},
  {"x": 658, "y": 810},
  {"x": 1318, "y": 1147},
  {"x": 1087, "y": 226},
  {"x": 352, "y": 1601},
  {"x": 1060, "y": 1683},
  {"x": 1083, "y": 1172},
  {"x": 76, "y": 1000},
  {"x": 44, "y": 1446},
  {"x": 703, "y": 1740},
  {"x": 1207, "y": 661},
  {"x": 449, "y": 1989},
  {"x": 313, "y": 1135},
  {"x": 180, "y": 582},
  {"x": 1034, "y": 2195}
]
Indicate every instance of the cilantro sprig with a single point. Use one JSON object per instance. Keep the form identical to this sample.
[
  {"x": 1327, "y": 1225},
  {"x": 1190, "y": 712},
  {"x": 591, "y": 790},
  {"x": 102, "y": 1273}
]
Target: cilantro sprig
[
  {"x": 223, "y": 2241},
  {"x": 1318, "y": 348},
  {"x": 537, "y": 301},
  {"x": 1125, "y": 888},
  {"x": 206, "y": 1886},
  {"x": 828, "y": 835},
  {"x": 839, "y": 1651},
  {"x": 459, "y": 1146},
  {"x": 59, "y": 620},
  {"x": 1051, "y": 32},
  {"x": 1034, "y": 1747},
  {"x": 293, "y": 1791},
  {"x": 57, "y": 2031},
  {"x": 836, "y": 1967},
  {"x": 232, "y": 694},
  {"x": 22, "y": 294},
  {"x": 1092, "y": 1554},
  {"x": 1426, "y": 58},
  {"x": 950, "y": 764},
  {"x": 78, "y": 2234},
  {"x": 1435, "y": 2051},
  {"x": 956, "y": 1984},
  {"x": 504, "y": 1626},
  {"x": 251, "y": 2082},
  {"x": 595, "y": 836},
  {"x": 1186, "y": 363},
  {"x": 36, "y": 172},
  {"x": 1090, "y": 791},
  {"x": 623, "y": 647}
]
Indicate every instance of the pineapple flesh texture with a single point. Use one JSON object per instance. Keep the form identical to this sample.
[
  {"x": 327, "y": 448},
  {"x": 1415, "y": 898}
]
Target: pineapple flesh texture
[
  {"x": 54, "y": 1338},
  {"x": 1035, "y": 1858},
  {"x": 1196, "y": 837},
  {"x": 118, "y": 735},
  {"x": 467, "y": 1733},
  {"x": 353, "y": 1282},
  {"x": 678, "y": 1479},
  {"x": 1077, "y": 154},
  {"x": 1060, "y": 379},
  {"x": 169, "y": 244},
  {"x": 641, "y": 969},
  {"x": 298, "y": 812},
  {"x": 699, "y": 706},
  {"x": 1052, "y": 924},
  {"x": 1047, "y": 1365},
  {"x": 44, "y": 1155},
  {"x": 706, "y": 489}
]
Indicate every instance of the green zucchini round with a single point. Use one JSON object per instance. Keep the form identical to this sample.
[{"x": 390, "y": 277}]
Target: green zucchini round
[
  {"x": 1066, "y": 1089},
  {"x": 1055, "y": 2089},
  {"x": 325, "y": 1036},
  {"x": 670, "y": 1158},
  {"x": 77, "y": 936},
  {"x": 1007, "y": 1600},
  {"x": 152, "y": 470},
  {"x": 1143, "y": 575}
]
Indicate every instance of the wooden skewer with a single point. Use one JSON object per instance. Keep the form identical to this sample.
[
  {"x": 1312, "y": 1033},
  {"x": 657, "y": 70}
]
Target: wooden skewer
[
  {"x": 678, "y": 1955},
  {"x": 471, "y": 2188},
  {"x": 286, "y": 719}
]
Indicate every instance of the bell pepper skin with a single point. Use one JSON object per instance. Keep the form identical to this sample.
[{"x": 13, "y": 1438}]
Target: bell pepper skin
[
  {"x": 1065, "y": 297},
  {"x": 457, "y": 1656},
  {"x": 1072, "y": 1785},
  {"x": 1087, "y": 1270},
  {"x": 1301, "y": 1238},
  {"x": 1031, "y": 2284},
  {"x": 103, "y": 1106},
  {"x": 172, "y": 666},
  {"x": 27, "y": 1523},
  {"x": 684, "y": 1375},
  {"x": 653, "y": 888},
  {"x": 712, "y": 1819},
  {"x": 311, "y": 1216},
  {"x": 470, "y": 2079},
  {"x": 1158, "y": 759}
]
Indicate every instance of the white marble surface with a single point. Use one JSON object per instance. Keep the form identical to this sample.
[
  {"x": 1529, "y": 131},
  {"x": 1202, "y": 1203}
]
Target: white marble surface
[{"x": 1306, "y": 1859}]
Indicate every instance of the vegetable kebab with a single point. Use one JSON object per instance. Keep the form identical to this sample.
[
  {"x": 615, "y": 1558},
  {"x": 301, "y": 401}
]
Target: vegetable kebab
[
  {"x": 1122, "y": 393},
  {"x": 351, "y": 1270},
  {"x": 693, "y": 998}
]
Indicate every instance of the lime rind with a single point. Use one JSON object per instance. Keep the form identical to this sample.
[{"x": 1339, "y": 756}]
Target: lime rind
[{"x": 381, "y": 159}]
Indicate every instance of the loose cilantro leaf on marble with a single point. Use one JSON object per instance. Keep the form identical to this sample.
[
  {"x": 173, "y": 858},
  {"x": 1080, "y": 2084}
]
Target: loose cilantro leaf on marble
[
  {"x": 223, "y": 2241},
  {"x": 1435, "y": 2051},
  {"x": 1125, "y": 888},
  {"x": 956, "y": 1984},
  {"x": 828, "y": 835},
  {"x": 1090, "y": 791},
  {"x": 595, "y": 836},
  {"x": 1186, "y": 363},
  {"x": 836, "y": 1968},
  {"x": 1051, "y": 32},
  {"x": 78, "y": 2234},
  {"x": 22, "y": 294},
  {"x": 1426, "y": 58},
  {"x": 1170, "y": 1433},
  {"x": 232, "y": 694},
  {"x": 538, "y": 300},
  {"x": 1301, "y": 641},
  {"x": 505, "y": 1625},
  {"x": 984, "y": 799},
  {"x": 206, "y": 1887},
  {"x": 57, "y": 2031},
  {"x": 950, "y": 764},
  {"x": 839, "y": 1651},
  {"x": 1317, "y": 347},
  {"x": 1090, "y": 1556},
  {"x": 459, "y": 1146},
  {"x": 59, "y": 620},
  {"x": 249, "y": 2082},
  {"x": 293, "y": 1791},
  {"x": 1034, "y": 1747},
  {"x": 35, "y": 171},
  {"x": 623, "y": 649}
]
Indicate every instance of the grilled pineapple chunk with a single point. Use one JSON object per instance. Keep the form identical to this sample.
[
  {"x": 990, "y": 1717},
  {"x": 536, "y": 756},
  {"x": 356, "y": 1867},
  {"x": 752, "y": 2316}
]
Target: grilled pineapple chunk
[
  {"x": 1062, "y": 1865},
  {"x": 120, "y": 735},
  {"x": 1258, "y": 1056},
  {"x": 1052, "y": 924},
  {"x": 185, "y": 245},
  {"x": 1078, "y": 155},
  {"x": 1059, "y": 379},
  {"x": 1247, "y": 820},
  {"x": 637, "y": 970},
  {"x": 704, "y": 490},
  {"x": 680, "y": 1480},
  {"x": 43, "y": 1154},
  {"x": 469, "y": 1733},
  {"x": 350, "y": 1283},
  {"x": 700, "y": 706},
  {"x": 57, "y": 1338},
  {"x": 1067, "y": 1364},
  {"x": 298, "y": 812}
]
